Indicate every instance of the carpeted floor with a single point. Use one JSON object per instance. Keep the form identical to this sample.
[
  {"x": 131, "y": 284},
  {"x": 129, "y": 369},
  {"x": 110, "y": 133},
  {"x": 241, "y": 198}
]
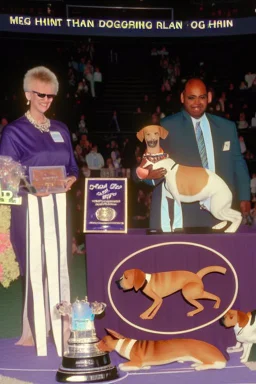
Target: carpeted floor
[{"x": 21, "y": 363}]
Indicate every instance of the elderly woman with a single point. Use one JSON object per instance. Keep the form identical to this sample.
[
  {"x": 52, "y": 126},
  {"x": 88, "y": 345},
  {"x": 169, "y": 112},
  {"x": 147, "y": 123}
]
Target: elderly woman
[{"x": 38, "y": 226}]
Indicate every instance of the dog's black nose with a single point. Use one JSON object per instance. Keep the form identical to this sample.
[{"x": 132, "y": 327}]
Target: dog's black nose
[
  {"x": 118, "y": 283},
  {"x": 221, "y": 321}
]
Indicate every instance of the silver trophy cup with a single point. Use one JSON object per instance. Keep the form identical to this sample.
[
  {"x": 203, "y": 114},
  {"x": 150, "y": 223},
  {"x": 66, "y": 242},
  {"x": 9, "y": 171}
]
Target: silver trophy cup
[{"x": 83, "y": 362}]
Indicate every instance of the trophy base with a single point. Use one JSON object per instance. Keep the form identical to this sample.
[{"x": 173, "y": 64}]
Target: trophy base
[
  {"x": 86, "y": 369},
  {"x": 65, "y": 375}
]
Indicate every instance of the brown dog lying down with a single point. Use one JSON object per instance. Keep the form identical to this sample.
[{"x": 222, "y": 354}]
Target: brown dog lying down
[
  {"x": 144, "y": 353},
  {"x": 244, "y": 325},
  {"x": 162, "y": 284}
]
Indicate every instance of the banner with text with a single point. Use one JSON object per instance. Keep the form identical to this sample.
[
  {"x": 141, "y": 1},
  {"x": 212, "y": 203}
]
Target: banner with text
[{"x": 127, "y": 28}]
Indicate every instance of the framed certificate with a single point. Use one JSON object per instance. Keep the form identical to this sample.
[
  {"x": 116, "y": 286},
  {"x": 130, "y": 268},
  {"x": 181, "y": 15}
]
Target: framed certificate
[
  {"x": 48, "y": 179},
  {"x": 105, "y": 206}
]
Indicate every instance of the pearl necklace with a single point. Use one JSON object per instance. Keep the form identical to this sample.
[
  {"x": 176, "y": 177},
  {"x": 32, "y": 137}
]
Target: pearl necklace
[{"x": 43, "y": 127}]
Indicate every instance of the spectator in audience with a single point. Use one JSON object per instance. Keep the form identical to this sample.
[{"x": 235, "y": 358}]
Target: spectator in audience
[
  {"x": 242, "y": 145},
  {"x": 97, "y": 79},
  {"x": 242, "y": 123},
  {"x": 155, "y": 119},
  {"x": 34, "y": 140},
  {"x": 222, "y": 101},
  {"x": 231, "y": 93},
  {"x": 109, "y": 163},
  {"x": 249, "y": 77},
  {"x": 82, "y": 126},
  {"x": 159, "y": 113},
  {"x": 88, "y": 74},
  {"x": 181, "y": 144},
  {"x": 243, "y": 86},
  {"x": 85, "y": 144},
  {"x": 218, "y": 110},
  {"x": 94, "y": 161},
  {"x": 78, "y": 152}
]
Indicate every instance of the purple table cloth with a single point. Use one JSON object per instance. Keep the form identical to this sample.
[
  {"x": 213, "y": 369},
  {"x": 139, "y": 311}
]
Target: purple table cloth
[{"x": 109, "y": 255}]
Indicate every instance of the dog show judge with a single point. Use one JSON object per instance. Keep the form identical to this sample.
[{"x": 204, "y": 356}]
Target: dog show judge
[{"x": 198, "y": 139}]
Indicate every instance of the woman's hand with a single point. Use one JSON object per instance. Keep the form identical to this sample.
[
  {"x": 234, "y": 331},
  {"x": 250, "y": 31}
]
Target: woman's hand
[{"x": 68, "y": 182}]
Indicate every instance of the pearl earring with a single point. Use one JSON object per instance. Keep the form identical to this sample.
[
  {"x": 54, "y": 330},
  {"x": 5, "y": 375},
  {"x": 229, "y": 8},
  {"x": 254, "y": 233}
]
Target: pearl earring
[{"x": 28, "y": 102}]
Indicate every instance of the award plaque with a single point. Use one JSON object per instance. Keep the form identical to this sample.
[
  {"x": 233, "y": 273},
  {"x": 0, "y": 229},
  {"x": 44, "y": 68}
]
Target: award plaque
[
  {"x": 105, "y": 207},
  {"x": 83, "y": 362},
  {"x": 48, "y": 179}
]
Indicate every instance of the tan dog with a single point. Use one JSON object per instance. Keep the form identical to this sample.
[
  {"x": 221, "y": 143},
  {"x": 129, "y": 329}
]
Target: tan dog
[
  {"x": 162, "y": 284},
  {"x": 245, "y": 330},
  {"x": 144, "y": 353},
  {"x": 154, "y": 153},
  {"x": 188, "y": 184}
]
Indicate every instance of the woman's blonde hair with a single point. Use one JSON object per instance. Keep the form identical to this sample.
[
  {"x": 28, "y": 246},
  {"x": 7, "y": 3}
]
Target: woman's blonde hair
[{"x": 40, "y": 73}]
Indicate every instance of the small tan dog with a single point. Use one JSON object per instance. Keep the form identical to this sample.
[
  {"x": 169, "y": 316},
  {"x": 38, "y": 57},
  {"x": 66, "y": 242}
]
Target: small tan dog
[
  {"x": 154, "y": 153},
  {"x": 245, "y": 330},
  {"x": 188, "y": 184},
  {"x": 162, "y": 284},
  {"x": 144, "y": 353}
]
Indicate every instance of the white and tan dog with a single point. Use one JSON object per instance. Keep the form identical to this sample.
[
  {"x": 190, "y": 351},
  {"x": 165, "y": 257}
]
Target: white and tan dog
[
  {"x": 245, "y": 331},
  {"x": 144, "y": 353},
  {"x": 159, "y": 285},
  {"x": 189, "y": 184}
]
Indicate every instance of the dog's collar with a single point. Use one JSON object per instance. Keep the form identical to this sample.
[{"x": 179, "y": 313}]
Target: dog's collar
[
  {"x": 126, "y": 353},
  {"x": 147, "y": 280}
]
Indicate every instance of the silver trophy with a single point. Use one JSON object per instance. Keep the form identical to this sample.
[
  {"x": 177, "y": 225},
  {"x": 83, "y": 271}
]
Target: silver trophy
[{"x": 83, "y": 362}]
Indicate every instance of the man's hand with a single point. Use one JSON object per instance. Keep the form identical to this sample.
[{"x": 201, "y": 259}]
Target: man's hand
[
  {"x": 156, "y": 173},
  {"x": 245, "y": 207}
]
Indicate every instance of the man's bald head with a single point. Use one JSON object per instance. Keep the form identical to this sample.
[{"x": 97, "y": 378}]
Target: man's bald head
[{"x": 195, "y": 97}]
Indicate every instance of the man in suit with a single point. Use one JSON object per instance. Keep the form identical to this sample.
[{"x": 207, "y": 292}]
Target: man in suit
[{"x": 223, "y": 157}]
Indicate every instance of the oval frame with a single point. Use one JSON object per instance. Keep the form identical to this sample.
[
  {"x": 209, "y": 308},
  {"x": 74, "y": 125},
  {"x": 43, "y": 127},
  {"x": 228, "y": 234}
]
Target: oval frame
[{"x": 182, "y": 331}]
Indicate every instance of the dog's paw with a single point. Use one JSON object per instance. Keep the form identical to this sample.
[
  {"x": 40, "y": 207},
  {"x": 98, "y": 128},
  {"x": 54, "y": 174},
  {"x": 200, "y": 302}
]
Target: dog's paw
[
  {"x": 144, "y": 316},
  {"x": 244, "y": 360}
]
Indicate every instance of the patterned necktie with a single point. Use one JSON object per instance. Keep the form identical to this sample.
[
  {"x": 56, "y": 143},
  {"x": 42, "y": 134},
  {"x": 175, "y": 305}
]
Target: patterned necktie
[{"x": 201, "y": 145}]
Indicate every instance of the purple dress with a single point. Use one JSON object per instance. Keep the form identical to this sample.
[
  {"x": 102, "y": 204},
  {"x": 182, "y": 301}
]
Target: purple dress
[
  {"x": 39, "y": 230},
  {"x": 26, "y": 144}
]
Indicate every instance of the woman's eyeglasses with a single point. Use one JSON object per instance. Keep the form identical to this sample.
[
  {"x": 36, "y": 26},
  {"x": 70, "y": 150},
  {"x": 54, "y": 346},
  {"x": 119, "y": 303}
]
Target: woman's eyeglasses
[{"x": 42, "y": 95}]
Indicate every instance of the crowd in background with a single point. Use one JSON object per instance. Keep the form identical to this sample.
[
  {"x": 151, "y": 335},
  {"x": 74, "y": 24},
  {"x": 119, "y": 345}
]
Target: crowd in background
[{"x": 84, "y": 70}]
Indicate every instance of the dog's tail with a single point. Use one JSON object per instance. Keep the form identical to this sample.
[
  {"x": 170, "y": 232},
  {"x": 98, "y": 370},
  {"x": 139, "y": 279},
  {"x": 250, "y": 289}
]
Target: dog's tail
[{"x": 213, "y": 268}]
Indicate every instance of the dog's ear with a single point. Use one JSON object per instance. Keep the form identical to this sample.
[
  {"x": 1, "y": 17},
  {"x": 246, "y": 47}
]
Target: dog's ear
[
  {"x": 115, "y": 334},
  {"x": 140, "y": 135},
  {"x": 242, "y": 319},
  {"x": 139, "y": 279},
  {"x": 163, "y": 132}
]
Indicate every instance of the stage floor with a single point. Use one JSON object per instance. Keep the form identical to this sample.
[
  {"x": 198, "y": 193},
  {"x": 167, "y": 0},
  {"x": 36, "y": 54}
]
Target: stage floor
[{"x": 23, "y": 364}]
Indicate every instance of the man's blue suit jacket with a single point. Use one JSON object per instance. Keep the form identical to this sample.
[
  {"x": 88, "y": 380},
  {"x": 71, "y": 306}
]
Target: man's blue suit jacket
[{"x": 182, "y": 147}]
